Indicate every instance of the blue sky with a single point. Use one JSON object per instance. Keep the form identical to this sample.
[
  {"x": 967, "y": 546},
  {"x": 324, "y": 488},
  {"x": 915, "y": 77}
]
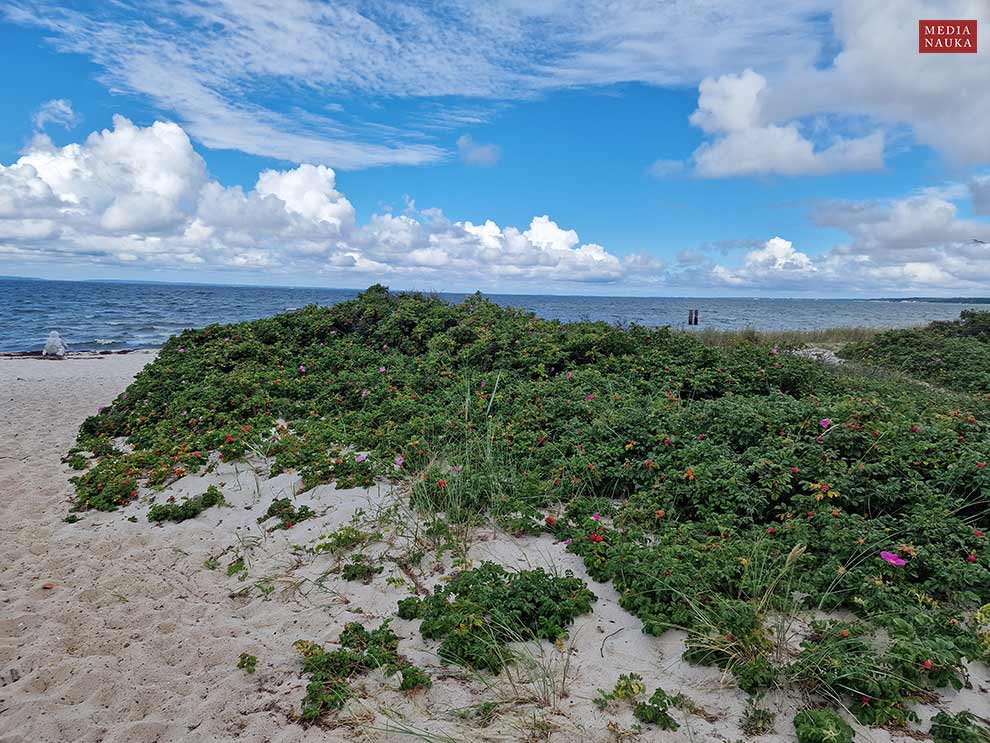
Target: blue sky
[{"x": 801, "y": 148}]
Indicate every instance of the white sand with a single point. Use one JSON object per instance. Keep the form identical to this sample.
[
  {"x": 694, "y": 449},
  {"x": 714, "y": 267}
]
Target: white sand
[{"x": 138, "y": 640}]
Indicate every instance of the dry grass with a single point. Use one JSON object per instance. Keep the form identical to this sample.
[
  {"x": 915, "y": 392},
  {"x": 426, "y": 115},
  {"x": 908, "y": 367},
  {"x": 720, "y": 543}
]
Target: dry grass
[{"x": 826, "y": 337}]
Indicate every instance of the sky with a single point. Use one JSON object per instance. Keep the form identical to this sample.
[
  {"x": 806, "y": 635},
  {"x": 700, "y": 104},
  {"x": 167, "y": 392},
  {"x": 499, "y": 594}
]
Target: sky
[{"x": 616, "y": 147}]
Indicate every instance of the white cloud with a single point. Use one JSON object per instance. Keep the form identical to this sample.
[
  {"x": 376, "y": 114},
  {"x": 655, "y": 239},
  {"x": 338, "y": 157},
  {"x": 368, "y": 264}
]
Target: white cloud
[
  {"x": 56, "y": 111},
  {"x": 210, "y": 62},
  {"x": 142, "y": 196},
  {"x": 915, "y": 244},
  {"x": 475, "y": 153},
  {"x": 731, "y": 108},
  {"x": 877, "y": 80}
]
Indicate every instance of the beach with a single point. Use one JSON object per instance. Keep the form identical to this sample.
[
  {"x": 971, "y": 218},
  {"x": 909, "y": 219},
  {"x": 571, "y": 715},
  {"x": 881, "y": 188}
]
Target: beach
[{"x": 116, "y": 629}]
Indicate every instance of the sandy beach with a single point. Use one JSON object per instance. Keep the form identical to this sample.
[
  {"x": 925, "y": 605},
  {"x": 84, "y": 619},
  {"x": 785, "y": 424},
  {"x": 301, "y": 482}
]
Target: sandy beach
[{"x": 114, "y": 629}]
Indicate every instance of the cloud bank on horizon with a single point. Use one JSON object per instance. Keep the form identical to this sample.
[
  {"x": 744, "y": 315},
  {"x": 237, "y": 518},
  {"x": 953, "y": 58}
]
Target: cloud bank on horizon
[{"x": 797, "y": 89}]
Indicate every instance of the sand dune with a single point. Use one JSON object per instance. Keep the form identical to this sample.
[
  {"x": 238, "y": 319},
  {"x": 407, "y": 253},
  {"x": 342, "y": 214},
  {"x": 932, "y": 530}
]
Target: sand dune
[{"x": 137, "y": 634}]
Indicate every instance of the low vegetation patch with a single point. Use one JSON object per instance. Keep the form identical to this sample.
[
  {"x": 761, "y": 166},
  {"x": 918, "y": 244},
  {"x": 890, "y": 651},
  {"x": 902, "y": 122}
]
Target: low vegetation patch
[
  {"x": 821, "y": 726},
  {"x": 285, "y": 514},
  {"x": 189, "y": 508},
  {"x": 247, "y": 662},
  {"x": 361, "y": 569},
  {"x": 331, "y": 672},
  {"x": 481, "y": 610}
]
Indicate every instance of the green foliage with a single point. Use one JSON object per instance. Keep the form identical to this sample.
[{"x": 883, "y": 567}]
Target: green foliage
[
  {"x": 480, "y": 610},
  {"x": 727, "y": 480},
  {"x": 654, "y": 711},
  {"x": 414, "y": 678},
  {"x": 955, "y": 355},
  {"x": 111, "y": 483},
  {"x": 189, "y": 508},
  {"x": 629, "y": 687},
  {"x": 821, "y": 726},
  {"x": 287, "y": 515},
  {"x": 247, "y": 662},
  {"x": 360, "y": 569},
  {"x": 330, "y": 672},
  {"x": 237, "y": 566},
  {"x": 961, "y": 728},
  {"x": 343, "y": 539}
]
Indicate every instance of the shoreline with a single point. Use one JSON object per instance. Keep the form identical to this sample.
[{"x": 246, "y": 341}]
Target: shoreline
[{"x": 76, "y": 355}]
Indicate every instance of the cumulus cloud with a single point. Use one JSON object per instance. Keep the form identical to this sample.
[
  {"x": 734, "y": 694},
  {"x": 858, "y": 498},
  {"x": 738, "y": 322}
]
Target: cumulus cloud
[
  {"x": 56, "y": 111},
  {"x": 761, "y": 121},
  {"x": 143, "y": 196},
  {"x": 475, "y": 153},
  {"x": 731, "y": 108},
  {"x": 918, "y": 244}
]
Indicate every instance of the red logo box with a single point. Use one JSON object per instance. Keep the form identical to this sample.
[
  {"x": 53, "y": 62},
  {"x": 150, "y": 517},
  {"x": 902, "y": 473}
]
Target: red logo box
[{"x": 946, "y": 37}]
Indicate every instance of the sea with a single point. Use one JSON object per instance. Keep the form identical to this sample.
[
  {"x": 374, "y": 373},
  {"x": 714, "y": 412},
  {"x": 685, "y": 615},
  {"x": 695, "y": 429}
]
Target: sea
[{"x": 110, "y": 315}]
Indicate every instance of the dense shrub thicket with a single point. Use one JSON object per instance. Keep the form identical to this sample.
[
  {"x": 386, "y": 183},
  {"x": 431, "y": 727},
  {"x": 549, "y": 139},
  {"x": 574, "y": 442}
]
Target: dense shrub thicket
[
  {"x": 954, "y": 354},
  {"x": 718, "y": 488}
]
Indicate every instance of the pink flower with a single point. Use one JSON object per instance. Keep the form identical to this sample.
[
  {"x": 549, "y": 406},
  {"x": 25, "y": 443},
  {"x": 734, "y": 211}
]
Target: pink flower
[
  {"x": 381, "y": 369},
  {"x": 891, "y": 559},
  {"x": 596, "y": 516},
  {"x": 589, "y": 398},
  {"x": 182, "y": 350},
  {"x": 774, "y": 351},
  {"x": 399, "y": 460},
  {"x": 569, "y": 375},
  {"x": 302, "y": 368},
  {"x": 360, "y": 458},
  {"x": 365, "y": 393},
  {"x": 568, "y": 541},
  {"x": 825, "y": 422}
]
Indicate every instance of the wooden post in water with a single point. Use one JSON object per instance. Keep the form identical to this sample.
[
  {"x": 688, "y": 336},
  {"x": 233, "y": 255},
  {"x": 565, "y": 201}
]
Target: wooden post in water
[{"x": 692, "y": 317}]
